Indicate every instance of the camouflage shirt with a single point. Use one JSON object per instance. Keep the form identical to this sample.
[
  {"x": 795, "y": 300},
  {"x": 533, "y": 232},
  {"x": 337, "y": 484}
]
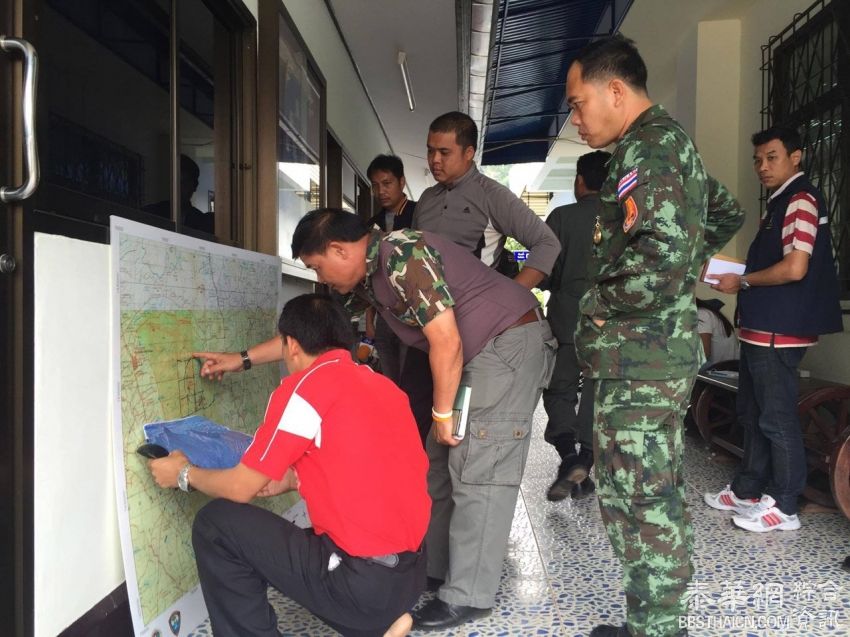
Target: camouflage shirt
[
  {"x": 662, "y": 216},
  {"x": 415, "y": 271}
]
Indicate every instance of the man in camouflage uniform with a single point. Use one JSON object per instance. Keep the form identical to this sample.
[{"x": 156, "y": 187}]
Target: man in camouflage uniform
[
  {"x": 661, "y": 217},
  {"x": 480, "y": 329}
]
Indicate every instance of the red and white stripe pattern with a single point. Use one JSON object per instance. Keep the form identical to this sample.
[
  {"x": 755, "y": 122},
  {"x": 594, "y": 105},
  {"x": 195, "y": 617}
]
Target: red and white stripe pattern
[
  {"x": 771, "y": 519},
  {"x": 800, "y": 226},
  {"x": 766, "y": 339},
  {"x": 726, "y": 498}
]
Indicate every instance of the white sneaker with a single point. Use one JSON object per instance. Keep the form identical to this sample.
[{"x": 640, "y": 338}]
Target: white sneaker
[
  {"x": 765, "y": 517},
  {"x": 726, "y": 500}
]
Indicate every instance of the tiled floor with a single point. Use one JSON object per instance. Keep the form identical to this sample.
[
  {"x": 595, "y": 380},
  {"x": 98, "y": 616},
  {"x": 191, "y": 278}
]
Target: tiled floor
[{"x": 560, "y": 576}]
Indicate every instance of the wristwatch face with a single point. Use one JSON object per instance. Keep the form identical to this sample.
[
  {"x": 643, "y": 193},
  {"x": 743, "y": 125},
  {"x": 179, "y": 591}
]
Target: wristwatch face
[{"x": 183, "y": 478}]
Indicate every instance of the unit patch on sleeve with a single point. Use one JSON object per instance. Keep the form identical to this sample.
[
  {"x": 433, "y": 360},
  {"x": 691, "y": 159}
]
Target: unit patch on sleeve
[
  {"x": 626, "y": 184},
  {"x": 631, "y": 210}
]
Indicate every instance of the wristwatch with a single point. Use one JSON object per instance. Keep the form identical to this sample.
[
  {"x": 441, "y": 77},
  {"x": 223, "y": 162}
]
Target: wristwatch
[
  {"x": 183, "y": 479},
  {"x": 246, "y": 360},
  {"x": 745, "y": 285}
]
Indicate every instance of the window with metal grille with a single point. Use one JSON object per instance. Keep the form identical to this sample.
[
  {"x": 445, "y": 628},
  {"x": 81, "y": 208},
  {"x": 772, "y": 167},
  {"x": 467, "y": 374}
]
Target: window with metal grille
[{"x": 806, "y": 84}]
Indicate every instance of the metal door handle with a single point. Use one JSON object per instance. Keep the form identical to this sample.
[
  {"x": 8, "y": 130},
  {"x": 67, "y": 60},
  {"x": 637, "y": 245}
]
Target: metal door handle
[{"x": 30, "y": 147}]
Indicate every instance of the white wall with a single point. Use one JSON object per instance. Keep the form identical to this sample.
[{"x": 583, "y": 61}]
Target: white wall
[
  {"x": 764, "y": 19},
  {"x": 710, "y": 66},
  {"x": 77, "y": 548}
]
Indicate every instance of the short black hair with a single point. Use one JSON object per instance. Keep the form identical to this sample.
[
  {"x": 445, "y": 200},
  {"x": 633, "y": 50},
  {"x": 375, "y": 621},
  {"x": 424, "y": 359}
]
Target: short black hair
[
  {"x": 317, "y": 322},
  {"x": 714, "y": 305},
  {"x": 189, "y": 169},
  {"x": 321, "y": 226},
  {"x": 387, "y": 163},
  {"x": 461, "y": 124},
  {"x": 612, "y": 57},
  {"x": 593, "y": 168},
  {"x": 789, "y": 137}
]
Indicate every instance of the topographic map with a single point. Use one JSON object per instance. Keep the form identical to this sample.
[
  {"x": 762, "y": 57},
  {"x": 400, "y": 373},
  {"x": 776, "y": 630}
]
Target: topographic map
[{"x": 175, "y": 295}]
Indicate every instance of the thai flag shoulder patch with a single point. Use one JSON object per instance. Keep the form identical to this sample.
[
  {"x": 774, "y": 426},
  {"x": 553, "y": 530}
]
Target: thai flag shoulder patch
[{"x": 627, "y": 183}]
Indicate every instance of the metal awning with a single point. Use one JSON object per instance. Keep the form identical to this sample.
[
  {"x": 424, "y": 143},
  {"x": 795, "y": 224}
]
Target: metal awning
[{"x": 534, "y": 43}]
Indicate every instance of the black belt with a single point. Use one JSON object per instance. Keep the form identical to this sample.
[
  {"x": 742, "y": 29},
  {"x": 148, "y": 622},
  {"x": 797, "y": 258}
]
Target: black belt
[
  {"x": 529, "y": 317},
  {"x": 391, "y": 560}
]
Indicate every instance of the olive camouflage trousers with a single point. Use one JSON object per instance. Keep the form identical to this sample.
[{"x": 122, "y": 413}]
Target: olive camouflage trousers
[{"x": 639, "y": 446}]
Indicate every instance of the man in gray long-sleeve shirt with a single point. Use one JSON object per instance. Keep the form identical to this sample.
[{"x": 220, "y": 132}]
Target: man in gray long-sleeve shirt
[
  {"x": 474, "y": 210},
  {"x": 477, "y": 213}
]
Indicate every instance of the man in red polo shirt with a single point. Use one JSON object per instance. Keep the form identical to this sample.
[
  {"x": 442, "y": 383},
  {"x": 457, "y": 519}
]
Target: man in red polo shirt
[{"x": 343, "y": 436}]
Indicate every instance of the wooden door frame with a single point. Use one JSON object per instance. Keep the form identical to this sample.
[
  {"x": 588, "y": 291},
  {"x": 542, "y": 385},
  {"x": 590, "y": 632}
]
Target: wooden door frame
[{"x": 16, "y": 435}]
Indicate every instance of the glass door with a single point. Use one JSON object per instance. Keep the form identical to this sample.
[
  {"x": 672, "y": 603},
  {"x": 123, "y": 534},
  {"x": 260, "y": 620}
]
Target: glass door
[{"x": 103, "y": 132}]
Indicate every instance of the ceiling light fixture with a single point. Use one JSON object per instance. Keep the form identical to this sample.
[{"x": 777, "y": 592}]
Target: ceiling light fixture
[{"x": 405, "y": 75}]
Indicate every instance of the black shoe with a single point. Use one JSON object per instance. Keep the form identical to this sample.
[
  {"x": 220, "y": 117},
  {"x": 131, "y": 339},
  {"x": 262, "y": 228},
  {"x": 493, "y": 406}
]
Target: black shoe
[
  {"x": 583, "y": 489},
  {"x": 569, "y": 475},
  {"x": 846, "y": 564},
  {"x": 433, "y": 584},
  {"x": 607, "y": 630},
  {"x": 437, "y": 615}
]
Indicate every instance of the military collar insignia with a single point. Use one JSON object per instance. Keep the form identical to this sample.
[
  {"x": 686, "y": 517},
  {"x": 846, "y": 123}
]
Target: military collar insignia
[{"x": 627, "y": 183}]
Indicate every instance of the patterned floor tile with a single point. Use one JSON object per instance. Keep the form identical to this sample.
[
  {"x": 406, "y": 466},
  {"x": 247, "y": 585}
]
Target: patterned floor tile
[{"x": 560, "y": 577}]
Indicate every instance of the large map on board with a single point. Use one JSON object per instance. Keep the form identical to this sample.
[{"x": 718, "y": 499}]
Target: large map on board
[{"x": 174, "y": 295}]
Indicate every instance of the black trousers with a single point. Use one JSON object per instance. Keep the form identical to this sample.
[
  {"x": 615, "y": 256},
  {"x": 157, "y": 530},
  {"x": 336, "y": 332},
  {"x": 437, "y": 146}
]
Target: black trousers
[
  {"x": 560, "y": 399},
  {"x": 242, "y": 549},
  {"x": 417, "y": 383}
]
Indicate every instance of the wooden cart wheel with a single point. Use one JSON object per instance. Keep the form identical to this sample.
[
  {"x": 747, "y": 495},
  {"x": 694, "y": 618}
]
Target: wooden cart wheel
[
  {"x": 715, "y": 410},
  {"x": 839, "y": 475},
  {"x": 824, "y": 421}
]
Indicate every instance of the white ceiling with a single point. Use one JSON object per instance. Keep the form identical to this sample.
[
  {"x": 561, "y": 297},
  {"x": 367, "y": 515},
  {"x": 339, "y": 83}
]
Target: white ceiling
[{"x": 426, "y": 31}]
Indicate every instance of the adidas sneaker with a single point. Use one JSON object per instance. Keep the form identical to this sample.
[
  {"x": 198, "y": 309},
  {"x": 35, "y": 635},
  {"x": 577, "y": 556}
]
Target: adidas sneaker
[
  {"x": 765, "y": 517},
  {"x": 726, "y": 500}
]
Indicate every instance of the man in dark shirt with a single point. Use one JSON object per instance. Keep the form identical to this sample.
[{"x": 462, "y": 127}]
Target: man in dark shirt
[
  {"x": 386, "y": 173},
  {"x": 190, "y": 174},
  {"x": 574, "y": 226}
]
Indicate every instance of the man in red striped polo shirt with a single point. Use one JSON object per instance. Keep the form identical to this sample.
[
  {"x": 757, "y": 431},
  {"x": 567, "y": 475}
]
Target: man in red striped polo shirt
[{"x": 787, "y": 297}]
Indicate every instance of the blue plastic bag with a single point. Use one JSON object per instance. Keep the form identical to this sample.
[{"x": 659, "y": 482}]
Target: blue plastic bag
[{"x": 206, "y": 443}]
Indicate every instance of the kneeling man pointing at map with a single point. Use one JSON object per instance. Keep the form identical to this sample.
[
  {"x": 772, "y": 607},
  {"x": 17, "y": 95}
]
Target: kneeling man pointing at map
[{"x": 343, "y": 436}]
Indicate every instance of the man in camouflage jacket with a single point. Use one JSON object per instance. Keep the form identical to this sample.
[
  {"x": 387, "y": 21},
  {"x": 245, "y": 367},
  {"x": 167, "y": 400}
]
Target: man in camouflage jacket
[{"x": 662, "y": 216}]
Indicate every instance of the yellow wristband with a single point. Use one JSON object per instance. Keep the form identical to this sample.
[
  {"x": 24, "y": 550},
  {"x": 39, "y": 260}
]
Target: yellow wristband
[{"x": 442, "y": 417}]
